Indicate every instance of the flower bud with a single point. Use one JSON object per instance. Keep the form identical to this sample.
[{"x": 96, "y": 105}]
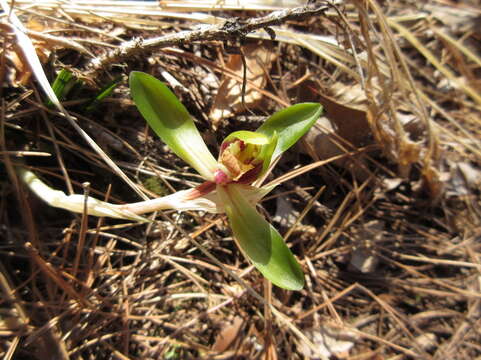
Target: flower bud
[{"x": 244, "y": 156}]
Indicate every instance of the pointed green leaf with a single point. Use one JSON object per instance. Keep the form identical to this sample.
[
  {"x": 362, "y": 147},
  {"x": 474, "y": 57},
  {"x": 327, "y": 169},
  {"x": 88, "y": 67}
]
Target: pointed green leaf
[
  {"x": 290, "y": 124},
  {"x": 103, "y": 93},
  {"x": 171, "y": 122},
  {"x": 267, "y": 152},
  {"x": 62, "y": 85},
  {"x": 259, "y": 241}
]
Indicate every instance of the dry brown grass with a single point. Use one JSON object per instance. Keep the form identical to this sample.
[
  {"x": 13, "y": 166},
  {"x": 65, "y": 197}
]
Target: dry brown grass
[{"x": 381, "y": 202}]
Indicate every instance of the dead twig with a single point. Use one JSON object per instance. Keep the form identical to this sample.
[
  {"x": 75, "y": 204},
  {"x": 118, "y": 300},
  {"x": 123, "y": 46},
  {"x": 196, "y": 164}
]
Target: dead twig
[{"x": 231, "y": 29}]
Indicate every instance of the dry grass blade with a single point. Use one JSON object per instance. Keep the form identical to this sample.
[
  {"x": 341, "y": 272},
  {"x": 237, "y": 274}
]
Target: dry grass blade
[{"x": 431, "y": 58}]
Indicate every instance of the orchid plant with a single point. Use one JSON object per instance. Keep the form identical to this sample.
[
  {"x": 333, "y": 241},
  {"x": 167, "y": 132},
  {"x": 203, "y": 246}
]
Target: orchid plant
[{"x": 229, "y": 182}]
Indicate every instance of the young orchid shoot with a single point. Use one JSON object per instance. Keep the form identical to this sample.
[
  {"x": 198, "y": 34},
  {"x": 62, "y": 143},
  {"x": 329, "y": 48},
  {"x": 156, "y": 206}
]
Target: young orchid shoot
[{"x": 244, "y": 157}]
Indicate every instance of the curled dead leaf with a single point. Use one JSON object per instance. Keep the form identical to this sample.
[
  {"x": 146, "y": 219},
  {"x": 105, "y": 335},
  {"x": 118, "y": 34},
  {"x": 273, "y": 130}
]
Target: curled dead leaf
[
  {"x": 341, "y": 130},
  {"x": 351, "y": 122},
  {"x": 330, "y": 340},
  {"x": 227, "y": 335},
  {"x": 228, "y": 101},
  {"x": 19, "y": 73}
]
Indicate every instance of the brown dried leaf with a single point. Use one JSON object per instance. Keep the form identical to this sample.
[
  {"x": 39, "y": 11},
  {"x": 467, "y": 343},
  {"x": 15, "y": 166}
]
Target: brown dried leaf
[
  {"x": 34, "y": 24},
  {"x": 330, "y": 341},
  {"x": 228, "y": 335},
  {"x": 351, "y": 122},
  {"x": 348, "y": 109},
  {"x": 353, "y": 96},
  {"x": 259, "y": 57},
  {"x": 433, "y": 183},
  {"x": 19, "y": 73},
  {"x": 342, "y": 129}
]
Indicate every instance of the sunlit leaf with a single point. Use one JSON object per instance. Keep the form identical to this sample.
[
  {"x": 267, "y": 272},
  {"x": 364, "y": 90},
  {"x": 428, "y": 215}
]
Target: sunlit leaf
[
  {"x": 268, "y": 151},
  {"x": 171, "y": 122},
  {"x": 62, "y": 85},
  {"x": 104, "y": 92},
  {"x": 259, "y": 241},
  {"x": 259, "y": 57},
  {"x": 290, "y": 124}
]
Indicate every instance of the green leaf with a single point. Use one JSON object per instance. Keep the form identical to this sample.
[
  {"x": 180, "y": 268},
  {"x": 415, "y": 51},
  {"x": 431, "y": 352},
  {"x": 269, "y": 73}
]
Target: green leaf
[
  {"x": 62, "y": 85},
  {"x": 267, "y": 152},
  {"x": 290, "y": 124},
  {"x": 171, "y": 122},
  {"x": 259, "y": 241},
  {"x": 104, "y": 92}
]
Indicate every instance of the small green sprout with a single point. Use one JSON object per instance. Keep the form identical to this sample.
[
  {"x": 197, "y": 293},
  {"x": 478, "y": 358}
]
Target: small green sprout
[
  {"x": 244, "y": 157},
  {"x": 64, "y": 82}
]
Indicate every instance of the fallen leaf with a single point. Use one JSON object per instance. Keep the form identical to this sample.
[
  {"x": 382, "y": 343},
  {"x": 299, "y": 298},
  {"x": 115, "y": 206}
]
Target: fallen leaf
[
  {"x": 364, "y": 258},
  {"x": 427, "y": 341},
  {"x": 456, "y": 18},
  {"x": 351, "y": 122},
  {"x": 19, "y": 73},
  {"x": 471, "y": 175},
  {"x": 228, "y": 101},
  {"x": 227, "y": 335},
  {"x": 329, "y": 341},
  {"x": 343, "y": 128},
  {"x": 324, "y": 141},
  {"x": 433, "y": 183},
  {"x": 364, "y": 261}
]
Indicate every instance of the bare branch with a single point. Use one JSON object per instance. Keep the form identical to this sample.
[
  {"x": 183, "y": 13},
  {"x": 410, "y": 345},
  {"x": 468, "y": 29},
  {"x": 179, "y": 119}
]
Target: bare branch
[{"x": 231, "y": 29}]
